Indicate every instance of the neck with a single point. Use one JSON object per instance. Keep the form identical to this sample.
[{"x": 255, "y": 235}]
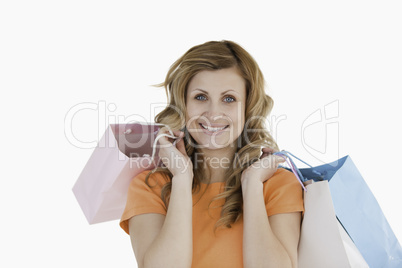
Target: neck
[{"x": 215, "y": 163}]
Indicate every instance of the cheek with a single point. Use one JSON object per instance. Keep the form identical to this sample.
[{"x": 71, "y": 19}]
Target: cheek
[
  {"x": 191, "y": 117},
  {"x": 238, "y": 115},
  {"x": 193, "y": 111}
]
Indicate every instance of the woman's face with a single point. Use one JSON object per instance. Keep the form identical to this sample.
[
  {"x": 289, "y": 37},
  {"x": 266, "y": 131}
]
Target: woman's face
[{"x": 216, "y": 107}]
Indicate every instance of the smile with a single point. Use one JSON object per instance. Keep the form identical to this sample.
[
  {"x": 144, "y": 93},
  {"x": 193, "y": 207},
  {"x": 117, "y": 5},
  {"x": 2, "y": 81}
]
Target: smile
[{"x": 213, "y": 129}]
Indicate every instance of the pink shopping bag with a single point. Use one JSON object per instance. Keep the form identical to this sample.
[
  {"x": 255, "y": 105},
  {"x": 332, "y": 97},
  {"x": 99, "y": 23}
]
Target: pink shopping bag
[{"x": 123, "y": 152}]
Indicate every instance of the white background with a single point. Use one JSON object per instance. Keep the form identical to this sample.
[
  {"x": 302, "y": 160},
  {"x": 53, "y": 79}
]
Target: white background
[{"x": 345, "y": 55}]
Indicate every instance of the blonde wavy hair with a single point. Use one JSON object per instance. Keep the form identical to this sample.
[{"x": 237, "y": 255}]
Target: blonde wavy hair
[{"x": 217, "y": 55}]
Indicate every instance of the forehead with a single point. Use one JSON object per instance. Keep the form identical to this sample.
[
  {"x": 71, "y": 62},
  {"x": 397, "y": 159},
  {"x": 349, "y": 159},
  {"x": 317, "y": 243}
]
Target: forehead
[{"x": 218, "y": 81}]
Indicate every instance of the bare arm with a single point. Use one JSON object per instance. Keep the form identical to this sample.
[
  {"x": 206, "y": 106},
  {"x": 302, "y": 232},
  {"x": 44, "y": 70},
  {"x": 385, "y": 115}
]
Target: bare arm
[
  {"x": 160, "y": 241},
  {"x": 267, "y": 241}
]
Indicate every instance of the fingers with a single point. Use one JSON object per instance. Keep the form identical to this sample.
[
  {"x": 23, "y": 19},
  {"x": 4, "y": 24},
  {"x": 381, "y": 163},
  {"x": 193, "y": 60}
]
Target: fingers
[
  {"x": 268, "y": 150},
  {"x": 165, "y": 140},
  {"x": 172, "y": 151},
  {"x": 264, "y": 155},
  {"x": 169, "y": 143},
  {"x": 272, "y": 160},
  {"x": 180, "y": 144},
  {"x": 279, "y": 159}
]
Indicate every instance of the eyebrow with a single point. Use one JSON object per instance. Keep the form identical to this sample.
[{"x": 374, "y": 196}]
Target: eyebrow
[{"x": 223, "y": 93}]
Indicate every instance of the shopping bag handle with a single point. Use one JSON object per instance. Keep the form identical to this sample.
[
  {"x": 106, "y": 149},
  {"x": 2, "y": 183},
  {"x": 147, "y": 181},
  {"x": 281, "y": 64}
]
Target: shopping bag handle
[
  {"x": 286, "y": 155},
  {"x": 163, "y": 135},
  {"x": 176, "y": 139}
]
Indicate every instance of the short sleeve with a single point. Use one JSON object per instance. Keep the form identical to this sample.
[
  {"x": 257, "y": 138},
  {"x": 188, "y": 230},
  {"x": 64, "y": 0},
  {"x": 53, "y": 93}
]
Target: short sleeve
[
  {"x": 283, "y": 193},
  {"x": 142, "y": 199}
]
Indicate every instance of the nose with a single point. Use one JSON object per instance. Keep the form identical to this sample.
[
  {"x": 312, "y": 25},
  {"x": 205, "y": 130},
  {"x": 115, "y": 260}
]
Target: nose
[{"x": 215, "y": 112}]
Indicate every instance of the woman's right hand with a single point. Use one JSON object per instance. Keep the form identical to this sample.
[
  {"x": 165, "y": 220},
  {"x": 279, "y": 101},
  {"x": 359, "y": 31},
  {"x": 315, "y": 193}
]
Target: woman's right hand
[{"x": 174, "y": 158}]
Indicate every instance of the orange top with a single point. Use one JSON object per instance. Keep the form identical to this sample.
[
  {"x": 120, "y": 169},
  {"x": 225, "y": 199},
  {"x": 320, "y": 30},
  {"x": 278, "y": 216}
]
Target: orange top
[{"x": 282, "y": 193}]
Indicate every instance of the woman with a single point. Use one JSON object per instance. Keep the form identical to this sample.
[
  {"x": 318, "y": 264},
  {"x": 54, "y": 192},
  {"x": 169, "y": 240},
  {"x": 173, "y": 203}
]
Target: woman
[{"x": 220, "y": 199}]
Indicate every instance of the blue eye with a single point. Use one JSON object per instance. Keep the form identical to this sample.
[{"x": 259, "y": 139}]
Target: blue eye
[
  {"x": 196, "y": 97},
  {"x": 229, "y": 97}
]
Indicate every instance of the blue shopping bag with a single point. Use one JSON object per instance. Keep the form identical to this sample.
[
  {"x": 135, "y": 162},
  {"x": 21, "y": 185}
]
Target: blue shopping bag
[{"x": 357, "y": 210}]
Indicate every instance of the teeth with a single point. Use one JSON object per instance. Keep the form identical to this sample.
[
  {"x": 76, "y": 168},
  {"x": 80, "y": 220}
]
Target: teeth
[{"x": 212, "y": 129}]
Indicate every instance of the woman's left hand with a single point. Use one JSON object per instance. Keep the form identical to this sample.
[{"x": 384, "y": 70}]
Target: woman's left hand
[{"x": 262, "y": 169}]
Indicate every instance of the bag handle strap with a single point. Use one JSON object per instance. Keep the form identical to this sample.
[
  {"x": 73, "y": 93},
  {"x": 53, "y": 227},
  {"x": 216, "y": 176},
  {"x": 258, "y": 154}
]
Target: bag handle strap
[
  {"x": 163, "y": 135},
  {"x": 286, "y": 155},
  {"x": 176, "y": 139}
]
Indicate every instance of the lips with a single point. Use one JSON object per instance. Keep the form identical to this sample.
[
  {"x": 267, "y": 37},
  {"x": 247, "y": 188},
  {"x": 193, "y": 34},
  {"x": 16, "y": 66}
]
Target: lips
[{"x": 213, "y": 127}]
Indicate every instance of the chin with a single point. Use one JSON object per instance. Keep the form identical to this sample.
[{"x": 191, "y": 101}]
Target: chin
[{"x": 211, "y": 144}]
